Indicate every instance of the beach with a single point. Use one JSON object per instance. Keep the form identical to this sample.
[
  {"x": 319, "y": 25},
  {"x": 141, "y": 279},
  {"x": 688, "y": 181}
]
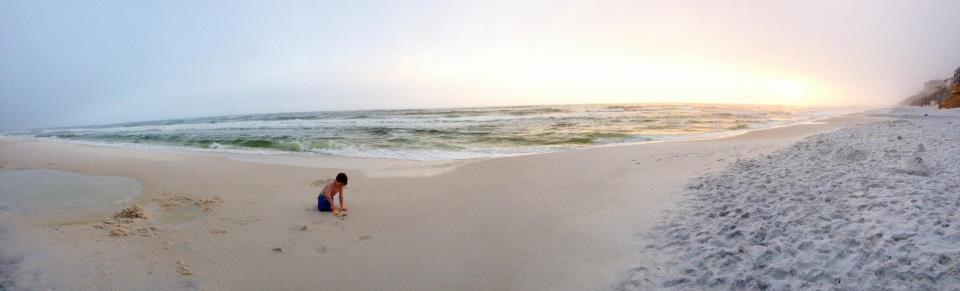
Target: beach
[
  {"x": 479, "y": 145},
  {"x": 569, "y": 220},
  {"x": 867, "y": 207}
]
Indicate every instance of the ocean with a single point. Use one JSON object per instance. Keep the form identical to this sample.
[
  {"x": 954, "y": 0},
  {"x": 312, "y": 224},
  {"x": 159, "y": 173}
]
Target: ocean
[{"x": 442, "y": 134}]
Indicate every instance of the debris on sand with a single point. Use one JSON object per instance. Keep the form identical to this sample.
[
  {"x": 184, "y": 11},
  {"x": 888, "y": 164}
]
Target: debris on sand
[
  {"x": 170, "y": 200},
  {"x": 208, "y": 203},
  {"x": 218, "y": 231},
  {"x": 125, "y": 223},
  {"x": 132, "y": 212},
  {"x": 305, "y": 227},
  {"x": 279, "y": 249},
  {"x": 147, "y": 231},
  {"x": 341, "y": 215},
  {"x": 183, "y": 269},
  {"x": 119, "y": 231},
  {"x": 124, "y": 229}
]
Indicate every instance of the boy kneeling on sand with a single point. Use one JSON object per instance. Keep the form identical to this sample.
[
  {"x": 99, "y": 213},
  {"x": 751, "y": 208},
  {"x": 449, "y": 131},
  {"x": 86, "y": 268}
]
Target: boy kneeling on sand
[{"x": 325, "y": 198}]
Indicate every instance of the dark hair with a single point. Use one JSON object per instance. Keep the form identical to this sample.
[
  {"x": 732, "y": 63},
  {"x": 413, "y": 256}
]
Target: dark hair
[{"x": 342, "y": 178}]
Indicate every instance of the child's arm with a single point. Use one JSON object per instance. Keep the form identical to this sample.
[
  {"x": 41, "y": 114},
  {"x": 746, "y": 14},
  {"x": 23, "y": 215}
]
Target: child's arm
[{"x": 341, "y": 200}]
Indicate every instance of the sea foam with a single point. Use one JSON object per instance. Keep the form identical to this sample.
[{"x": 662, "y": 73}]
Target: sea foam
[{"x": 442, "y": 134}]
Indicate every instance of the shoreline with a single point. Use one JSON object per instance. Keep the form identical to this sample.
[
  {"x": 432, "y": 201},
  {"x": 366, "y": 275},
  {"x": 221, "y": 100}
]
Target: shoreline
[
  {"x": 395, "y": 167},
  {"x": 564, "y": 220},
  {"x": 428, "y": 155}
]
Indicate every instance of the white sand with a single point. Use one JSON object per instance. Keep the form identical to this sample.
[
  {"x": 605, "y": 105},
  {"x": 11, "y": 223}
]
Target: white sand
[
  {"x": 871, "y": 207},
  {"x": 542, "y": 222}
]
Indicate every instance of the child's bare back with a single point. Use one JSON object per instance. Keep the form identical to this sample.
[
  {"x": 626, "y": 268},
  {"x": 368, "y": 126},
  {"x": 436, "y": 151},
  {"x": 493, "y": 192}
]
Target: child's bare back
[{"x": 334, "y": 188}]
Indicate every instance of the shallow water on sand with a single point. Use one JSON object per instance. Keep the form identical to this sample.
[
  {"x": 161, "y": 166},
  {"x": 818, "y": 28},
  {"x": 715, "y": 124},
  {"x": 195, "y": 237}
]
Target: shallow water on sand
[
  {"x": 41, "y": 191},
  {"x": 181, "y": 214}
]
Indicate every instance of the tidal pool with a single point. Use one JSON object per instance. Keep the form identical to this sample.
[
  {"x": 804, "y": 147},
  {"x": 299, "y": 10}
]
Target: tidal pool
[{"x": 44, "y": 190}]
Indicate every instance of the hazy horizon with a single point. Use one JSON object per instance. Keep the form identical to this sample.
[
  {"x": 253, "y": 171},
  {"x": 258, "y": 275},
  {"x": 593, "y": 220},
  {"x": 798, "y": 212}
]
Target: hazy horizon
[
  {"x": 427, "y": 108},
  {"x": 86, "y": 63}
]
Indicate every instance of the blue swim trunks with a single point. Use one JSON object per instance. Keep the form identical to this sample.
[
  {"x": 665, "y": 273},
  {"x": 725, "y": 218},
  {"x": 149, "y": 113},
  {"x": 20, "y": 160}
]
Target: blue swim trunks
[{"x": 323, "y": 204}]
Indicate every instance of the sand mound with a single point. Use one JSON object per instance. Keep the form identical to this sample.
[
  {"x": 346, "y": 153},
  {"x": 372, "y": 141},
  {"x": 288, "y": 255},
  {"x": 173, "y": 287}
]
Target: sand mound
[
  {"x": 126, "y": 227},
  {"x": 798, "y": 219},
  {"x": 119, "y": 230},
  {"x": 128, "y": 221},
  {"x": 132, "y": 212},
  {"x": 208, "y": 203},
  {"x": 171, "y": 200},
  {"x": 914, "y": 165}
]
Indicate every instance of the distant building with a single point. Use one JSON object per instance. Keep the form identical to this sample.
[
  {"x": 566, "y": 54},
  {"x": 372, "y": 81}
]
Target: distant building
[
  {"x": 933, "y": 85},
  {"x": 941, "y": 93},
  {"x": 953, "y": 99},
  {"x": 956, "y": 76}
]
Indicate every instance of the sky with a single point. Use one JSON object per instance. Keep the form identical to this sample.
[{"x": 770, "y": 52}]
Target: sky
[{"x": 66, "y": 63}]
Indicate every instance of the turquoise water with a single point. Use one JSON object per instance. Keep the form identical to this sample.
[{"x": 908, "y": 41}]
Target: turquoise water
[{"x": 441, "y": 134}]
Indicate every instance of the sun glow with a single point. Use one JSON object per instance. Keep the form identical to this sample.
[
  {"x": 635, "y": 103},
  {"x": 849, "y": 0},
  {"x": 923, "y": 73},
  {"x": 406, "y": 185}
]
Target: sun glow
[
  {"x": 791, "y": 91},
  {"x": 556, "y": 78}
]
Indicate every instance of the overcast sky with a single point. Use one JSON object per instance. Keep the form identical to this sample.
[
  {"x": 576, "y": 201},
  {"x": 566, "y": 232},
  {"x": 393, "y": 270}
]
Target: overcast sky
[{"x": 92, "y": 62}]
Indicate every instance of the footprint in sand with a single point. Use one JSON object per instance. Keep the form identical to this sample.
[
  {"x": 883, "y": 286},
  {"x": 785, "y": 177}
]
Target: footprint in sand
[
  {"x": 191, "y": 284},
  {"x": 247, "y": 220},
  {"x": 317, "y": 251},
  {"x": 363, "y": 237}
]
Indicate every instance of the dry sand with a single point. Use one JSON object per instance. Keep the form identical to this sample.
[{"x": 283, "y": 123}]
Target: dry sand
[
  {"x": 560, "y": 221},
  {"x": 872, "y": 207}
]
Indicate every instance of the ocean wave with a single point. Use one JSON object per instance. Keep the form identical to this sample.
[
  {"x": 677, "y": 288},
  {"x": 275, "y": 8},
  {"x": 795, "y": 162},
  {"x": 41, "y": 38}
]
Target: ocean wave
[{"x": 441, "y": 133}]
